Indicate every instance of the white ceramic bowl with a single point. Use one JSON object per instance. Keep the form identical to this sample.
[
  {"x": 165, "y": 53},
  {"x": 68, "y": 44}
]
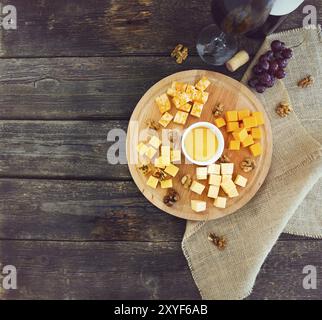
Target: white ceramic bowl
[{"x": 220, "y": 139}]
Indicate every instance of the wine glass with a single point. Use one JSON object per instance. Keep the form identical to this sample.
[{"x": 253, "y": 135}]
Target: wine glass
[{"x": 217, "y": 43}]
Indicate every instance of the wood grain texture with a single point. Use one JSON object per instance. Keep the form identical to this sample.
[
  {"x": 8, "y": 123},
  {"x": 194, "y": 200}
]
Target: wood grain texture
[
  {"x": 111, "y": 27},
  {"x": 136, "y": 270}
]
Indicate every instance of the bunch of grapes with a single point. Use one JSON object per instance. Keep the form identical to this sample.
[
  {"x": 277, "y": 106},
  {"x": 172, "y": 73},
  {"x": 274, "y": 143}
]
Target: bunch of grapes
[{"x": 271, "y": 66}]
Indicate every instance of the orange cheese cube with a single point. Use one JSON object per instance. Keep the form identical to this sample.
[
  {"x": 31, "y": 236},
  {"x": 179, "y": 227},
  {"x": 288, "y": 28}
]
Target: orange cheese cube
[
  {"x": 256, "y": 133},
  {"x": 234, "y": 145},
  {"x": 250, "y": 122},
  {"x": 240, "y": 134},
  {"x": 200, "y": 96},
  {"x": 232, "y": 126},
  {"x": 186, "y": 107},
  {"x": 197, "y": 109},
  {"x": 220, "y": 122},
  {"x": 248, "y": 141},
  {"x": 166, "y": 119},
  {"x": 256, "y": 149},
  {"x": 242, "y": 114},
  {"x": 181, "y": 117},
  {"x": 179, "y": 86},
  {"x": 163, "y": 103},
  {"x": 203, "y": 84},
  {"x": 259, "y": 117},
  {"x": 231, "y": 116}
]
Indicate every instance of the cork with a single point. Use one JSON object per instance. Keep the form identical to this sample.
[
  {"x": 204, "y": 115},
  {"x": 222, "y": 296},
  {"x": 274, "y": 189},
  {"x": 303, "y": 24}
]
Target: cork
[{"x": 238, "y": 60}]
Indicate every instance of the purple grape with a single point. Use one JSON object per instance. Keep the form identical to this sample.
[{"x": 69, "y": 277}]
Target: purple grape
[
  {"x": 253, "y": 82},
  {"x": 273, "y": 67},
  {"x": 287, "y": 53},
  {"x": 280, "y": 74},
  {"x": 263, "y": 58},
  {"x": 260, "y": 88},
  {"x": 269, "y": 55},
  {"x": 264, "y": 79},
  {"x": 257, "y": 70},
  {"x": 271, "y": 83},
  {"x": 264, "y": 65},
  {"x": 277, "y": 45},
  {"x": 282, "y": 63},
  {"x": 278, "y": 55}
]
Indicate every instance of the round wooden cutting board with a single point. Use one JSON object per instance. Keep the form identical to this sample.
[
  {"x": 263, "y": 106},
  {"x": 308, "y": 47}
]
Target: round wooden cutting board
[{"x": 234, "y": 96}]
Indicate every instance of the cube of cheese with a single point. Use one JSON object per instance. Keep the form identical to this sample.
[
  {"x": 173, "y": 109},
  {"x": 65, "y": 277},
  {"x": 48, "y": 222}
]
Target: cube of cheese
[
  {"x": 166, "y": 119},
  {"x": 214, "y": 169},
  {"x": 186, "y": 107},
  {"x": 181, "y": 117},
  {"x": 240, "y": 134},
  {"x": 142, "y": 148},
  {"x": 233, "y": 193},
  {"x": 234, "y": 145},
  {"x": 259, "y": 117},
  {"x": 232, "y": 126},
  {"x": 163, "y": 103},
  {"x": 242, "y": 114},
  {"x": 190, "y": 89},
  {"x": 172, "y": 92},
  {"x": 250, "y": 122},
  {"x": 215, "y": 180},
  {"x": 152, "y": 182},
  {"x": 179, "y": 86},
  {"x": 213, "y": 192},
  {"x": 226, "y": 177},
  {"x": 220, "y": 122},
  {"x": 227, "y": 168},
  {"x": 231, "y": 116},
  {"x": 256, "y": 149},
  {"x": 175, "y": 156},
  {"x": 197, "y": 187},
  {"x": 197, "y": 109},
  {"x": 229, "y": 187},
  {"x": 241, "y": 181},
  {"x": 198, "y": 206},
  {"x": 171, "y": 170},
  {"x": 158, "y": 163},
  {"x": 166, "y": 155},
  {"x": 256, "y": 133},
  {"x": 220, "y": 202},
  {"x": 200, "y": 96},
  {"x": 155, "y": 142},
  {"x": 248, "y": 141},
  {"x": 181, "y": 99},
  {"x": 166, "y": 184},
  {"x": 151, "y": 152},
  {"x": 202, "y": 173},
  {"x": 203, "y": 84}
]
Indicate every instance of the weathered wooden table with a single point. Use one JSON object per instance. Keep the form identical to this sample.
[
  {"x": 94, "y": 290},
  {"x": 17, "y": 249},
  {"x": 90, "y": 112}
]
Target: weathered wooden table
[{"x": 73, "y": 225}]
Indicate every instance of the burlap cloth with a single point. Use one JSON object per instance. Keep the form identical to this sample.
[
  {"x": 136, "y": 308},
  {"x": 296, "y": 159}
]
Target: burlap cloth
[{"x": 290, "y": 199}]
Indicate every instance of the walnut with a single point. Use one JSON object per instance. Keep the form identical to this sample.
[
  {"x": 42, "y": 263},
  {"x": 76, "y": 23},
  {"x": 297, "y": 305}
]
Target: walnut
[
  {"x": 151, "y": 124},
  {"x": 248, "y": 164},
  {"x": 145, "y": 169},
  {"x": 306, "y": 82},
  {"x": 219, "y": 242},
  {"x": 159, "y": 174},
  {"x": 224, "y": 159},
  {"x": 171, "y": 197},
  {"x": 218, "y": 110},
  {"x": 180, "y": 53},
  {"x": 283, "y": 109},
  {"x": 186, "y": 181}
]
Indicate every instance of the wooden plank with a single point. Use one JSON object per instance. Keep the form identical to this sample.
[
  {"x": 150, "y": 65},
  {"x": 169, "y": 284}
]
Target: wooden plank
[
  {"x": 87, "y": 28},
  {"x": 82, "y": 88},
  {"x": 64, "y": 149},
  {"x": 141, "y": 270},
  {"x": 83, "y": 211}
]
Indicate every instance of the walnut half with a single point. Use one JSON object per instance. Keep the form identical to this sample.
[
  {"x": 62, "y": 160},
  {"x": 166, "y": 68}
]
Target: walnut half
[{"x": 248, "y": 164}]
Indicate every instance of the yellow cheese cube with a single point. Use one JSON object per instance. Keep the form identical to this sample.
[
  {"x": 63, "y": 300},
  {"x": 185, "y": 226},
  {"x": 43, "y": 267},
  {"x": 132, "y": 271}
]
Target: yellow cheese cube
[
  {"x": 233, "y": 194},
  {"x": 203, "y": 84},
  {"x": 259, "y": 117},
  {"x": 181, "y": 99},
  {"x": 171, "y": 170},
  {"x": 197, "y": 109},
  {"x": 215, "y": 180},
  {"x": 176, "y": 156},
  {"x": 227, "y": 168},
  {"x": 179, "y": 86},
  {"x": 142, "y": 148},
  {"x": 197, "y": 187},
  {"x": 231, "y": 116},
  {"x": 172, "y": 92},
  {"x": 213, "y": 192},
  {"x": 234, "y": 145},
  {"x": 166, "y": 184},
  {"x": 256, "y": 133},
  {"x": 240, "y": 134},
  {"x": 198, "y": 206},
  {"x": 229, "y": 187},
  {"x": 220, "y": 202},
  {"x": 220, "y": 122},
  {"x": 202, "y": 173},
  {"x": 248, "y": 141},
  {"x": 151, "y": 152},
  {"x": 186, "y": 107},
  {"x": 166, "y": 155},
  {"x": 225, "y": 177},
  {"x": 181, "y": 117},
  {"x": 241, "y": 181},
  {"x": 242, "y": 114},
  {"x": 190, "y": 89},
  {"x": 250, "y": 122},
  {"x": 214, "y": 169},
  {"x": 166, "y": 119},
  {"x": 200, "y": 96},
  {"x": 256, "y": 149},
  {"x": 152, "y": 182},
  {"x": 163, "y": 103},
  {"x": 155, "y": 142},
  {"x": 158, "y": 163},
  {"x": 232, "y": 126}
]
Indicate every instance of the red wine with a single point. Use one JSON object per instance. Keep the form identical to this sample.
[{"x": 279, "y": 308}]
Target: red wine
[{"x": 241, "y": 16}]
